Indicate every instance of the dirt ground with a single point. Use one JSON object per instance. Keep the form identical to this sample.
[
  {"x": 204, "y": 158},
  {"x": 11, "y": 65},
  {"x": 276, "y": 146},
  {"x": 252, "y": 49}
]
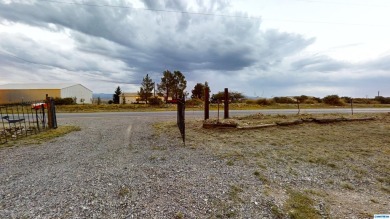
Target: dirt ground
[{"x": 310, "y": 170}]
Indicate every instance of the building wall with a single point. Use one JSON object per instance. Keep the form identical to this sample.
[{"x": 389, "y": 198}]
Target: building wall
[
  {"x": 17, "y": 95},
  {"x": 78, "y": 91},
  {"x": 129, "y": 98}
]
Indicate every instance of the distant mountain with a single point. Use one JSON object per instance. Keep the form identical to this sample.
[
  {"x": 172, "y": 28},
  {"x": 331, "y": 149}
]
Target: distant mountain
[{"x": 102, "y": 96}]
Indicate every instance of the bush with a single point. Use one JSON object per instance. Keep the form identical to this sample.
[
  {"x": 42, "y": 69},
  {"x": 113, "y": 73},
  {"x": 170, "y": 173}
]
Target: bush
[
  {"x": 346, "y": 99},
  {"x": 317, "y": 99},
  {"x": 155, "y": 101},
  {"x": 302, "y": 98},
  {"x": 250, "y": 101},
  {"x": 64, "y": 101},
  {"x": 333, "y": 100},
  {"x": 284, "y": 100},
  {"x": 195, "y": 102},
  {"x": 264, "y": 102},
  {"x": 383, "y": 100}
]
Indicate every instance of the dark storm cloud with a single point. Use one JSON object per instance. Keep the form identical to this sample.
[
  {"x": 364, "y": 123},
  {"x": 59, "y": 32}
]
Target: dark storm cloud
[{"x": 153, "y": 41}]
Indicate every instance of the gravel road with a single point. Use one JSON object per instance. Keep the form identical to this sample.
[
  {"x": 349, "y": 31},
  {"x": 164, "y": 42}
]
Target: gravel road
[{"x": 118, "y": 168}]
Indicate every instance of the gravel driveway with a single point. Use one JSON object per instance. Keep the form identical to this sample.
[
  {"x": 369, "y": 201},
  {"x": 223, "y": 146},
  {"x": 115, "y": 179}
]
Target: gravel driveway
[{"x": 119, "y": 168}]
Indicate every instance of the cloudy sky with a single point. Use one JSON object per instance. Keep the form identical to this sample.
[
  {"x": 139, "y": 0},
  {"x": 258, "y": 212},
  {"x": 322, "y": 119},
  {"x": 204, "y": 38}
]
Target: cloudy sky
[{"x": 258, "y": 47}]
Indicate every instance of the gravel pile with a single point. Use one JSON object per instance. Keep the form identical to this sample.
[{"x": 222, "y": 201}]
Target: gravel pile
[{"x": 119, "y": 168}]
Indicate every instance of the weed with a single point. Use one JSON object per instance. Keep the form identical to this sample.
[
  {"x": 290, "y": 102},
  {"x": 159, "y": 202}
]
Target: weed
[
  {"x": 374, "y": 201},
  {"x": 230, "y": 163},
  {"x": 347, "y": 185},
  {"x": 159, "y": 148},
  {"x": 261, "y": 177},
  {"x": 179, "y": 215},
  {"x": 300, "y": 206},
  {"x": 277, "y": 213},
  {"x": 234, "y": 193},
  {"x": 123, "y": 191},
  {"x": 385, "y": 189}
]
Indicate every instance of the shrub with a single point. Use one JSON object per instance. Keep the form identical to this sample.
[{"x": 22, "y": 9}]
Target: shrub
[
  {"x": 302, "y": 98},
  {"x": 346, "y": 99},
  {"x": 194, "y": 102},
  {"x": 250, "y": 101},
  {"x": 319, "y": 100},
  {"x": 383, "y": 100},
  {"x": 64, "y": 101},
  {"x": 333, "y": 100},
  {"x": 284, "y": 100},
  {"x": 110, "y": 102},
  {"x": 264, "y": 102},
  {"x": 155, "y": 101}
]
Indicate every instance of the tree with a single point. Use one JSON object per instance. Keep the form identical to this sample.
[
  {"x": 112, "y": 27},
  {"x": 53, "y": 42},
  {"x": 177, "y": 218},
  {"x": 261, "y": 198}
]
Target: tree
[
  {"x": 179, "y": 85},
  {"x": 333, "y": 100},
  {"x": 116, "y": 95},
  {"x": 146, "y": 89},
  {"x": 198, "y": 91},
  {"x": 99, "y": 101},
  {"x": 233, "y": 96},
  {"x": 172, "y": 85}
]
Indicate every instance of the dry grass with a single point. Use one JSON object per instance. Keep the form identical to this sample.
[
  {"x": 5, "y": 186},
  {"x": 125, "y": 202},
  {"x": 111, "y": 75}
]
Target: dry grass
[
  {"x": 343, "y": 165},
  {"x": 42, "y": 136},
  {"x": 87, "y": 108}
]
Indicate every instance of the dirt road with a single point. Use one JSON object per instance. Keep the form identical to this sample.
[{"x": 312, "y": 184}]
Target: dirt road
[{"x": 117, "y": 168}]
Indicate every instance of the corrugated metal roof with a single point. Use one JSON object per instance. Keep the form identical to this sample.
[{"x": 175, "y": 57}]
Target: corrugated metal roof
[{"x": 37, "y": 86}]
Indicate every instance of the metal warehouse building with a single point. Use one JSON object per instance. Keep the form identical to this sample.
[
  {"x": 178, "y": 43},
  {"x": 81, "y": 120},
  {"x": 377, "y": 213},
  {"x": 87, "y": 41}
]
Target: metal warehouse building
[{"x": 13, "y": 93}]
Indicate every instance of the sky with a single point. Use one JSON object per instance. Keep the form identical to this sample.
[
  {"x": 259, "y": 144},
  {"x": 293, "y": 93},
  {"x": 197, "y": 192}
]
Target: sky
[{"x": 261, "y": 48}]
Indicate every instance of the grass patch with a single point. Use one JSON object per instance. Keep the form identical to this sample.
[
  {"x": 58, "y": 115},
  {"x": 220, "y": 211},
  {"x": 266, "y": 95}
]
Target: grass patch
[
  {"x": 179, "y": 215},
  {"x": 43, "y": 136},
  {"x": 347, "y": 185},
  {"x": 301, "y": 206},
  {"x": 261, "y": 177},
  {"x": 124, "y": 191},
  {"x": 319, "y": 159},
  {"x": 234, "y": 193},
  {"x": 277, "y": 212}
]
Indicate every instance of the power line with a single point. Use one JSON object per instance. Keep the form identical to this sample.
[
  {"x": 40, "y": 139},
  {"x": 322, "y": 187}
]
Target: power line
[
  {"x": 149, "y": 9},
  {"x": 25, "y": 60},
  {"x": 344, "y": 3},
  {"x": 218, "y": 15}
]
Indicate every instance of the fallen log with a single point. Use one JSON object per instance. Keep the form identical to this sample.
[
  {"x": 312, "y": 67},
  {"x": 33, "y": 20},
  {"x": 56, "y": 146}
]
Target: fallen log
[
  {"x": 296, "y": 122},
  {"x": 218, "y": 125},
  {"x": 257, "y": 126}
]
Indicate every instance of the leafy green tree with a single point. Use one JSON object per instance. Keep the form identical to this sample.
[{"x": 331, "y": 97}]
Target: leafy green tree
[
  {"x": 198, "y": 91},
  {"x": 233, "y": 97},
  {"x": 179, "y": 85},
  {"x": 116, "y": 95},
  {"x": 146, "y": 89},
  {"x": 172, "y": 85}
]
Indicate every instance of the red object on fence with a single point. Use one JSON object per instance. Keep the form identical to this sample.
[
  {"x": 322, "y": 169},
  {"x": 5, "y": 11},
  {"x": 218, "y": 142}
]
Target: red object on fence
[{"x": 38, "y": 106}]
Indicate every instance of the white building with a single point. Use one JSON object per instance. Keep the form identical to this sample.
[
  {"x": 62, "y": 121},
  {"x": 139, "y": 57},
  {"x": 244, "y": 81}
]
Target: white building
[{"x": 13, "y": 93}]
